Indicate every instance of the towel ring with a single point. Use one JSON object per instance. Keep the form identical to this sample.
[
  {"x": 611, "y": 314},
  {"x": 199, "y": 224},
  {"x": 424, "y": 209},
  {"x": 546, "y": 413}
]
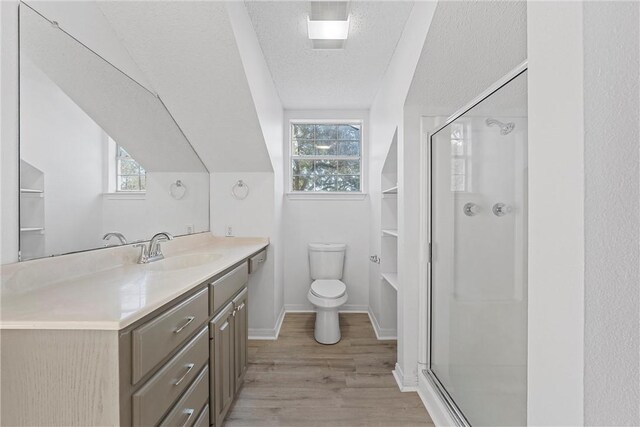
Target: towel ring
[
  {"x": 177, "y": 190},
  {"x": 240, "y": 190}
]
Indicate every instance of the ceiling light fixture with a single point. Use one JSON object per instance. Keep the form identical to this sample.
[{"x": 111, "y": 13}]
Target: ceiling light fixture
[{"x": 328, "y": 30}]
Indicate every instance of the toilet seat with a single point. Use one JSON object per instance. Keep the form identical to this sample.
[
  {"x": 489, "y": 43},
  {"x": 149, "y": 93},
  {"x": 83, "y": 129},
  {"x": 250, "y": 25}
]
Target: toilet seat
[{"x": 330, "y": 289}]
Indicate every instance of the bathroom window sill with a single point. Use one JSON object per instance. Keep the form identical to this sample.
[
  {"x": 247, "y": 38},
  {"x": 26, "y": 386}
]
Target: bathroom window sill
[
  {"x": 125, "y": 196},
  {"x": 326, "y": 196}
]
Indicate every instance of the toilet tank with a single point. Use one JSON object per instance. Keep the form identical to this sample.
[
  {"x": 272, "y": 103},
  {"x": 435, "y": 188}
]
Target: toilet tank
[{"x": 326, "y": 260}]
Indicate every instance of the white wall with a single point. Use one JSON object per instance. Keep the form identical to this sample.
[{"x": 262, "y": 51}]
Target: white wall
[
  {"x": 385, "y": 117},
  {"x": 612, "y": 259},
  {"x": 270, "y": 115},
  {"x": 140, "y": 217},
  {"x": 556, "y": 236},
  {"x": 9, "y": 131},
  {"x": 251, "y": 217},
  {"x": 337, "y": 221},
  {"x": 59, "y": 139}
]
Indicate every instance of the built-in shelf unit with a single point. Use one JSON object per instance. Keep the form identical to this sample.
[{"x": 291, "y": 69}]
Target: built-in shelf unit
[
  {"x": 388, "y": 286},
  {"x": 389, "y": 219},
  {"x": 32, "y": 201}
]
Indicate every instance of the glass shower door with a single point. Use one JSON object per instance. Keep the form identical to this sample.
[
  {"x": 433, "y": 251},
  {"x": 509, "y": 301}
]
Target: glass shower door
[{"x": 478, "y": 288}]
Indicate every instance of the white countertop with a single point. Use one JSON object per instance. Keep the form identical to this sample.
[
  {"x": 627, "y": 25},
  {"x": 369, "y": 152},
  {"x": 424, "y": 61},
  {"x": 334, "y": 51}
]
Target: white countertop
[{"x": 106, "y": 289}]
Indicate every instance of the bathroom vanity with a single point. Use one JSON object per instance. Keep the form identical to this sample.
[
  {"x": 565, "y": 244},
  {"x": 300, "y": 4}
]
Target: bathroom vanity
[{"x": 134, "y": 345}]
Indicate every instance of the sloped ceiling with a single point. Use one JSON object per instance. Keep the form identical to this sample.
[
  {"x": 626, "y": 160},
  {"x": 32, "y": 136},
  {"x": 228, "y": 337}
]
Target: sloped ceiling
[
  {"x": 127, "y": 112},
  {"x": 441, "y": 84},
  {"x": 188, "y": 53},
  {"x": 328, "y": 79}
]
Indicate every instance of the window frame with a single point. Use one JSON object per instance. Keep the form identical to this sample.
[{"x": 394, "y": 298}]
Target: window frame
[{"x": 324, "y": 194}]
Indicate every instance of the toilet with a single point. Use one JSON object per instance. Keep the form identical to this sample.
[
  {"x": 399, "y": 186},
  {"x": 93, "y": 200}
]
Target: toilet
[{"x": 327, "y": 292}]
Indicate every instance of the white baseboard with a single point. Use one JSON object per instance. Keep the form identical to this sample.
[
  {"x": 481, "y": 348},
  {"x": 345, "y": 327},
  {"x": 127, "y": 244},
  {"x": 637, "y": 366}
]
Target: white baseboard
[
  {"x": 436, "y": 408},
  {"x": 268, "y": 334},
  {"x": 405, "y": 384},
  {"x": 381, "y": 334},
  {"x": 305, "y": 308}
]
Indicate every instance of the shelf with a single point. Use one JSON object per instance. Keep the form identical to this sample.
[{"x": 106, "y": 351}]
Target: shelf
[
  {"x": 391, "y": 279},
  {"x": 31, "y": 229},
  {"x": 392, "y": 233},
  {"x": 32, "y": 192},
  {"x": 392, "y": 190}
]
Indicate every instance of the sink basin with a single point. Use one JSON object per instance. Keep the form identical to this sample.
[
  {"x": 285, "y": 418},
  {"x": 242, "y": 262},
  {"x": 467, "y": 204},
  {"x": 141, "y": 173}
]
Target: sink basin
[{"x": 180, "y": 262}]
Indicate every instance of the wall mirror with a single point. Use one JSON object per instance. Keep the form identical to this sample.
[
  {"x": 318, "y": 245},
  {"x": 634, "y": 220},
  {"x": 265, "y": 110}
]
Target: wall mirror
[{"x": 99, "y": 153}]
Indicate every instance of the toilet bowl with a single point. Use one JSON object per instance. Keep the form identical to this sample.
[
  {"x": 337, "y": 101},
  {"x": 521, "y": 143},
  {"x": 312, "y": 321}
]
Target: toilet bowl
[{"x": 327, "y": 292}]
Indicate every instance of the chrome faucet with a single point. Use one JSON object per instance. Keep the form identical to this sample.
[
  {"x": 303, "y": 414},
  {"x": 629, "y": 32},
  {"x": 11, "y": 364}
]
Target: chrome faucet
[
  {"x": 119, "y": 236},
  {"x": 154, "y": 253}
]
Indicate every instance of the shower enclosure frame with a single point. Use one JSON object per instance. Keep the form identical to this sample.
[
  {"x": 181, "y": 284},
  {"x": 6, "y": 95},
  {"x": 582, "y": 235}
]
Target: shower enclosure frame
[{"x": 425, "y": 328}]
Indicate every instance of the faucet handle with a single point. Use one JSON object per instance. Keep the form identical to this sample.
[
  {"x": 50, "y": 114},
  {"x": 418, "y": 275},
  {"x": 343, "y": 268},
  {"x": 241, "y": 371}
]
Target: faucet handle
[{"x": 144, "y": 255}]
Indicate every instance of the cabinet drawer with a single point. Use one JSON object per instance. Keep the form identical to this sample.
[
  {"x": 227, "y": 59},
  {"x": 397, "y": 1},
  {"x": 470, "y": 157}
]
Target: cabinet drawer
[
  {"x": 154, "y": 340},
  {"x": 257, "y": 260},
  {"x": 186, "y": 410},
  {"x": 159, "y": 393},
  {"x": 227, "y": 286},
  {"x": 203, "y": 418}
]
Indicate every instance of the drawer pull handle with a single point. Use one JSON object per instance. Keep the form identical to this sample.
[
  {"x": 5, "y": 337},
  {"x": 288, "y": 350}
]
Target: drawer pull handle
[
  {"x": 189, "y": 413},
  {"x": 240, "y": 307},
  {"x": 261, "y": 260},
  {"x": 189, "y": 320},
  {"x": 189, "y": 368}
]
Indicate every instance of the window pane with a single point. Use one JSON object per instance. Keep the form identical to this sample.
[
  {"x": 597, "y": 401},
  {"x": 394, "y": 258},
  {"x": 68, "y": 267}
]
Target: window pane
[
  {"x": 302, "y": 167},
  {"x": 312, "y": 147},
  {"x": 326, "y": 183},
  {"x": 326, "y": 132},
  {"x": 349, "y": 132},
  {"x": 129, "y": 183},
  {"x": 326, "y": 167},
  {"x": 128, "y": 167},
  {"x": 326, "y": 148},
  {"x": 303, "y": 147},
  {"x": 349, "y": 167},
  {"x": 348, "y": 183},
  {"x": 122, "y": 152},
  {"x": 143, "y": 182},
  {"x": 303, "y": 131},
  {"x": 303, "y": 183},
  {"x": 349, "y": 148}
]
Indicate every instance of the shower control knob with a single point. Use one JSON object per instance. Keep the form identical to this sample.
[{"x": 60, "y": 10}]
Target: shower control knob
[
  {"x": 501, "y": 209},
  {"x": 471, "y": 209}
]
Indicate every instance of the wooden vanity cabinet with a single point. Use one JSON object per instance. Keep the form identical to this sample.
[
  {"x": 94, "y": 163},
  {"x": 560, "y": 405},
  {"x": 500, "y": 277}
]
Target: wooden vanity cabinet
[
  {"x": 229, "y": 334},
  {"x": 241, "y": 331},
  {"x": 182, "y": 364},
  {"x": 222, "y": 380}
]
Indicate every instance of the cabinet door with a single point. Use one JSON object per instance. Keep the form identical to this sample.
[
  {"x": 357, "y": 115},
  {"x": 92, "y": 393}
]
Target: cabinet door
[
  {"x": 222, "y": 382},
  {"x": 241, "y": 329}
]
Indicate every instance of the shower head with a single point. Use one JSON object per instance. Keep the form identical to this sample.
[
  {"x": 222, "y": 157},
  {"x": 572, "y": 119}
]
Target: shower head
[{"x": 505, "y": 128}]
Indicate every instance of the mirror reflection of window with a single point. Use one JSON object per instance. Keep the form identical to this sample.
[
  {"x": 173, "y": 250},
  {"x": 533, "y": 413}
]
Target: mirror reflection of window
[{"x": 130, "y": 175}]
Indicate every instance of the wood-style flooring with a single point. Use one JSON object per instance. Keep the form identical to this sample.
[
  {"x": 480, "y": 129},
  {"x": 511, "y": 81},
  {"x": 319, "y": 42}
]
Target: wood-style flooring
[{"x": 294, "y": 381}]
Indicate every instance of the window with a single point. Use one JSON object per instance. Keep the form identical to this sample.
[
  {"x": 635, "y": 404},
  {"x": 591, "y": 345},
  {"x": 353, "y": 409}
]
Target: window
[
  {"x": 326, "y": 157},
  {"x": 130, "y": 176},
  {"x": 460, "y": 159}
]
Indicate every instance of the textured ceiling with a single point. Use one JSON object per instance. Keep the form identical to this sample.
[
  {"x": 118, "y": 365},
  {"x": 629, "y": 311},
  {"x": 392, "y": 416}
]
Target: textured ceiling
[
  {"x": 488, "y": 37},
  {"x": 188, "y": 52},
  {"x": 328, "y": 79}
]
